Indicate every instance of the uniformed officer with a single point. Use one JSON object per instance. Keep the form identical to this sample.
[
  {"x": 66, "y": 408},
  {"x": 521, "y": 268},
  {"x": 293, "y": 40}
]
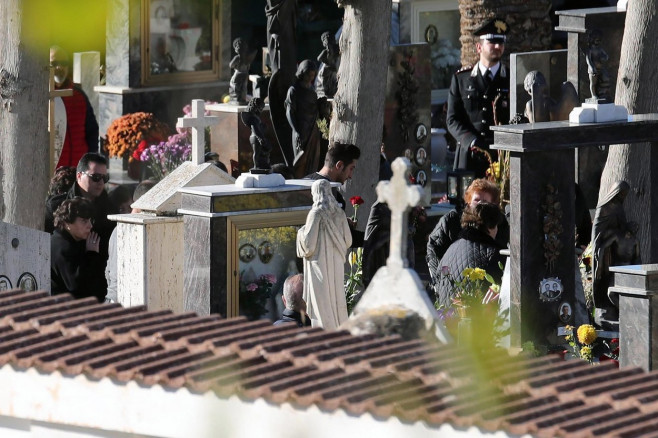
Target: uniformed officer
[{"x": 475, "y": 94}]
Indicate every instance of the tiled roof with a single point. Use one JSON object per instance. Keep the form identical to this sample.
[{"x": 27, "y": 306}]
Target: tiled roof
[{"x": 412, "y": 380}]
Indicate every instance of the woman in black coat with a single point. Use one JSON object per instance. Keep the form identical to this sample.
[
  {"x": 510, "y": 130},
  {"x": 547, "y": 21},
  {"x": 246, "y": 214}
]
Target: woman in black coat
[
  {"x": 75, "y": 263},
  {"x": 475, "y": 248}
]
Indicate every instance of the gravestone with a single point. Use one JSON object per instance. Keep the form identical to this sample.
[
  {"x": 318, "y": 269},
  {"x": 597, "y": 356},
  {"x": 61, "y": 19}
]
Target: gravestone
[
  {"x": 233, "y": 235},
  {"x": 577, "y": 23},
  {"x": 24, "y": 259},
  {"x": 637, "y": 290},
  {"x": 542, "y": 220},
  {"x": 407, "y": 112},
  {"x": 150, "y": 244},
  {"x": 86, "y": 72},
  {"x": 395, "y": 288},
  {"x": 230, "y": 138},
  {"x": 552, "y": 63}
]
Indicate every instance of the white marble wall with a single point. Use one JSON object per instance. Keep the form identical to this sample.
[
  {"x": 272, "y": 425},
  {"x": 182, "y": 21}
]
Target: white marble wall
[
  {"x": 150, "y": 261},
  {"x": 24, "y": 251}
]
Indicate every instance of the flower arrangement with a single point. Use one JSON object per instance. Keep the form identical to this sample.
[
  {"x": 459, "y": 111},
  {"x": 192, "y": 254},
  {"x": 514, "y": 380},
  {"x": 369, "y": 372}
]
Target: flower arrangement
[
  {"x": 166, "y": 156},
  {"x": 126, "y": 133},
  {"x": 474, "y": 308},
  {"x": 254, "y": 295},
  {"x": 582, "y": 343},
  {"x": 356, "y": 201},
  {"x": 586, "y": 345}
]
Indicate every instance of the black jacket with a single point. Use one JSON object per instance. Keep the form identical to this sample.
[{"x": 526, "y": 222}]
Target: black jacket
[
  {"x": 474, "y": 249},
  {"x": 102, "y": 207},
  {"x": 292, "y": 316},
  {"x": 446, "y": 232},
  {"x": 74, "y": 269},
  {"x": 470, "y": 114}
]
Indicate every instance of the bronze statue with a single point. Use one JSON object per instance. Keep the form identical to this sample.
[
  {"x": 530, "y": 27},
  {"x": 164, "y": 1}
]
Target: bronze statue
[
  {"x": 597, "y": 60},
  {"x": 281, "y": 44},
  {"x": 541, "y": 107},
  {"x": 240, "y": 63},
  {"x": 302, "y": 113},
  {"x": 329, "y": 58},
  {"x": 259, "y": 144},
  {"x": 613, "y": 241}
]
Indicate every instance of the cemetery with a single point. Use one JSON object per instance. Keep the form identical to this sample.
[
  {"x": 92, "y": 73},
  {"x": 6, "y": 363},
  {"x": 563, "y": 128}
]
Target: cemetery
[{"x": 397, "y": 218}]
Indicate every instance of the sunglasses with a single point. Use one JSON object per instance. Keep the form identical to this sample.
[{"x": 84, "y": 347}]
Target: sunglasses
[{"x": 97, "y": 177}]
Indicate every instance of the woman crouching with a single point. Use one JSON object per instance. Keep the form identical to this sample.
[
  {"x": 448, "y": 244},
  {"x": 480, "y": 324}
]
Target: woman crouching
[{"x": 76, "y": 265}]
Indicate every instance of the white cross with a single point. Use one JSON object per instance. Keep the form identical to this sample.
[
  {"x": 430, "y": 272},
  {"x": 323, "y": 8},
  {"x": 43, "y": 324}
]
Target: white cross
[
  {"x": 52, "y": 95},
  {"x": 198, "y": 123},
  {"x": 399, "y": 197}
]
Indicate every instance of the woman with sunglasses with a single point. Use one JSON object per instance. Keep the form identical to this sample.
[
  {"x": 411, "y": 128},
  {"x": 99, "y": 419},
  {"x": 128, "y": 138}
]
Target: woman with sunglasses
[{"x": 76, "y": 265}]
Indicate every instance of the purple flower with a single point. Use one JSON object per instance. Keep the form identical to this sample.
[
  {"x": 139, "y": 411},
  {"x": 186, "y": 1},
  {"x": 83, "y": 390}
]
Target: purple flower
[
  {"x": 252, "y": 287},
  {"x": 445, "y": 270}
]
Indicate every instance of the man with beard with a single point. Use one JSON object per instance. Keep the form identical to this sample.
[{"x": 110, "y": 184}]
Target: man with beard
[
  {"x": 81, "y": 125},
  {"x": 475, "y": 95}
]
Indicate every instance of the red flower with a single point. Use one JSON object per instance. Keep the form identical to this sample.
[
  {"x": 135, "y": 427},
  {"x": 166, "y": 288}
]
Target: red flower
[
  {"x": 137, "y": 153},
  {"x": 357, "y": 200}
]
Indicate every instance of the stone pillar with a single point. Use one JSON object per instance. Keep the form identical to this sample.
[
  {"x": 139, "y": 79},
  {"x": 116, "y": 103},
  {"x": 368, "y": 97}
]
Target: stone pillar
[
  {"x": 150, "y": 261},
  {"x": 637, "y": 289},
  {"x": 86, "y": 72},
  {"x": 533, "y": 317}
]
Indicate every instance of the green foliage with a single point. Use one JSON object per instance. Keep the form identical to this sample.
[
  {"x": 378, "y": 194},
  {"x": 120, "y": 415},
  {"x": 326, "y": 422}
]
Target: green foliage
[{"x": 354, "y": 278}]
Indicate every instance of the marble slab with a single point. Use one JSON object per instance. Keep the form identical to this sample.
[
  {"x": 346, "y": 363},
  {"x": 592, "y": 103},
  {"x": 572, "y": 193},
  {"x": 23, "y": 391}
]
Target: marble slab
[{"x": 24, "y": 258}]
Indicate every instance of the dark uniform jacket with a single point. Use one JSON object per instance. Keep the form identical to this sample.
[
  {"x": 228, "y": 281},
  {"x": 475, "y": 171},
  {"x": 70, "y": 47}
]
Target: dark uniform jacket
[{"x": 470, "y": 114}]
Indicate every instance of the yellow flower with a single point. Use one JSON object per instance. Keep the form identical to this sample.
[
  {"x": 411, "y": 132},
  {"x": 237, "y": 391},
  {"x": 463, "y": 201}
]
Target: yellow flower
[
  {"x": 586, "y": 334},
  {"x": 466, "y": 273},
  {"x": 586, "y": 352},
  {"x": 478, "y": 274}
]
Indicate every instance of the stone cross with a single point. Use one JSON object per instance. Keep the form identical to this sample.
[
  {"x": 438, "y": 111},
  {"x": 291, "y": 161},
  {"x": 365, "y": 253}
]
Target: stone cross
[
  {"x": 198, "y": 123},
  {"x": 52, "y": 95},
  {"x": 399, "y": 197}
]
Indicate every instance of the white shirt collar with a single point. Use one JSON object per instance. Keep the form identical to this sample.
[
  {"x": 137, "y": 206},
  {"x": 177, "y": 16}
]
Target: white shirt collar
[{"x": 483, "y": 69}]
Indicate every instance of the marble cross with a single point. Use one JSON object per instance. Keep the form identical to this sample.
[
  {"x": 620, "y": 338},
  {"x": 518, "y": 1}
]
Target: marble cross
[
  {"x": 52, "y": 127},
  {"x": 399, "y": 197},
  {"x": 198, "y": 123}
]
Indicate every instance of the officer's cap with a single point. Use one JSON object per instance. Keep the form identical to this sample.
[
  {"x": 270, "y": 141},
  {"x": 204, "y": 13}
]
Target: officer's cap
[{"x": 494, "y": 30}]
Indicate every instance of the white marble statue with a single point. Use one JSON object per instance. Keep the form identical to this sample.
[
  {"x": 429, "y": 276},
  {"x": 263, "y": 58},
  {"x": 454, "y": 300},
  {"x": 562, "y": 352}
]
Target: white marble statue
[{"x": 323, "y": 242}]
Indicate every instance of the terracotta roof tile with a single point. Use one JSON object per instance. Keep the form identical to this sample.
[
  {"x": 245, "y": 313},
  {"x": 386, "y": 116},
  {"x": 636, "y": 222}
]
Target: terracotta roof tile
[{"x": 384, "y": 376}]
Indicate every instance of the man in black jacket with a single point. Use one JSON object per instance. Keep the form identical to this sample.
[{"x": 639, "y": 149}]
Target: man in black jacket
[
  {"x": 90, "y": 179},
  {"x": 475, "y": 94},
  {"x": 295, "y": 306}
]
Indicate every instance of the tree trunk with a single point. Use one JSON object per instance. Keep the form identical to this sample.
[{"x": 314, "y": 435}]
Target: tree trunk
[
  {"x": 358, "y": 116},
  {"x": 24, "y": 141},
  {"x": 637, "y": 164},
  {"x": 529, "y": 24}
]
